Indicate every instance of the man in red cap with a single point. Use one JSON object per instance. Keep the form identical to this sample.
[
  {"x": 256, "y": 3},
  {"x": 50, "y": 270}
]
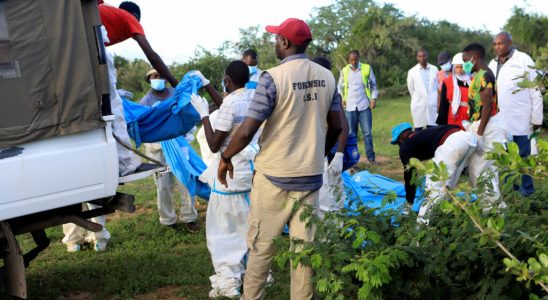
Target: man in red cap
[{"x": 300, "y": 106}]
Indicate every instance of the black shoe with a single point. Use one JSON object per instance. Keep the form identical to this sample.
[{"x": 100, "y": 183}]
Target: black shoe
[
  {"x": 193, "y": 227},
  {"x": 176, "y": 226}
]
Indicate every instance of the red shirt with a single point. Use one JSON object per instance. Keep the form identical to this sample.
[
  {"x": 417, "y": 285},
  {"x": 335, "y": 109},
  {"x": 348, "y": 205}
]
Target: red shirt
[{"x": 120, "y": 24}]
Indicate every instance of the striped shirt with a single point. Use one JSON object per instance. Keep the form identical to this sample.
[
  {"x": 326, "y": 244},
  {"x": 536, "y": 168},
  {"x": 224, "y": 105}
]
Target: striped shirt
[{"x": 232, "y": 113}]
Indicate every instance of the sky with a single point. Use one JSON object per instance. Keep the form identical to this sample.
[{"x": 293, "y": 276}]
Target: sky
[{"x": 176, "y": 28}]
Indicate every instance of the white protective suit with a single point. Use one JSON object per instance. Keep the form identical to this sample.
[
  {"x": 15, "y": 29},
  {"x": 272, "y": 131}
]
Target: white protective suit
[
  {"x": 455, "y": 153},
  {"x": 75, "y": 234},
  {"x": 227, "y": 213},
  {"x": 495, "y": 132},
  {"x": 165, "y": 190},
  {"x": 128, "y": 161},
  {"x": 524, "y": 108},
  {"x": 424, "y": 99},
  {"x": 332, "y": 195}
]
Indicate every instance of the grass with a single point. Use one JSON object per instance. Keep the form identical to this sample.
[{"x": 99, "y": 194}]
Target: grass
[
  {"x": 146, "y": 260},
  {"x": 387, "y": 114}
]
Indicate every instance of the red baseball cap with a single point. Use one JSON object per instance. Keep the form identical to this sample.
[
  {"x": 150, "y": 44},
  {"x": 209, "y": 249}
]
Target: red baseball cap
[{"x": 295, "y": 30}]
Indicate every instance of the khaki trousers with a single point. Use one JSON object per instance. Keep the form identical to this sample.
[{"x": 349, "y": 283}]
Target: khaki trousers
[{"x": 271, "y": 209}]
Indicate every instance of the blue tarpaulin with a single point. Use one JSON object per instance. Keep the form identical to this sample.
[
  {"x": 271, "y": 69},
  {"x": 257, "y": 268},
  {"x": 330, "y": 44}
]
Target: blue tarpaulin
[
  {"x": 171, "y": 118},
  {"x": 186, "y": 165},
  {"x": 370, "y": 189}
]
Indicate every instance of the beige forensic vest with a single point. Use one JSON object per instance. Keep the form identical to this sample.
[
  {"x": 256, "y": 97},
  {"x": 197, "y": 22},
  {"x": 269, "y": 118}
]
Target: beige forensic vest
[{"x": 293, "y": 139}]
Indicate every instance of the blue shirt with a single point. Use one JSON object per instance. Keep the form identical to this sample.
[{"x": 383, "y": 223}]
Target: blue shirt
[{"x": 261, "y": 107}]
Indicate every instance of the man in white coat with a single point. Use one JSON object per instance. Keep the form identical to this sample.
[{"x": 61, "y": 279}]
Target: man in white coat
[
  {"x": 423, "y": 88},
  {"x": 520, "y": 109}
]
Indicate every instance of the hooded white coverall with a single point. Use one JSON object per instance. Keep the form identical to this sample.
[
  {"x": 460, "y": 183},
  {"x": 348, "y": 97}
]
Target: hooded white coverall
[
  {"x": 455, "y": 152},
  {"x": 228, "y": 208},
  {"x": 479, "y": 166},
  {"x": 128, "y": 161}
]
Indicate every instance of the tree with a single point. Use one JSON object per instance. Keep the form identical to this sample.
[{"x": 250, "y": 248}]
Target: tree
[
  {"x": 529, "y": 31},
  {"x": 259, "y": 40}
]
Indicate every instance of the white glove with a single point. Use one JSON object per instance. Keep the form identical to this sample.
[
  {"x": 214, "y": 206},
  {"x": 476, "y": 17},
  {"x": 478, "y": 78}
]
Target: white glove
[
  {"x": 336, "y": 165},
  {"x": 200, "y": 105},
  {"x": 480, "y": 146},
  {"x": 199, "y": 74},
  {"x": 125, "y": 94}
]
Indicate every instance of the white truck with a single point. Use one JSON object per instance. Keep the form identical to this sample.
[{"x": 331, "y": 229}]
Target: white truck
[{"x": 57, "y": 149}]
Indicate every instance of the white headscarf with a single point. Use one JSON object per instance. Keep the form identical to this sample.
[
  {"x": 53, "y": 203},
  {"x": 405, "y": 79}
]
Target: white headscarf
[{"x": 455, "y": 103}]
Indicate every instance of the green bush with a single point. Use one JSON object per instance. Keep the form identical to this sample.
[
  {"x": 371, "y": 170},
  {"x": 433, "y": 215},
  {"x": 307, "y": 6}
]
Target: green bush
[{"x": 466, "y": 252}]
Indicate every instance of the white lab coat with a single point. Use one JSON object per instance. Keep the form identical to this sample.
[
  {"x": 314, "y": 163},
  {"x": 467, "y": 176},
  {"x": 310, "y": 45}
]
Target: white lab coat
[
  {"x": 524, "y": 108},
  {"x": 424, "y": 100}
]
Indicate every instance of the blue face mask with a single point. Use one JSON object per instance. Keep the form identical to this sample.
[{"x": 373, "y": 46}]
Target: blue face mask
[
  {"x": 158, "y": 84},
  {"x": 446, "y": 67},
  {"x": 252, "y": 70}
]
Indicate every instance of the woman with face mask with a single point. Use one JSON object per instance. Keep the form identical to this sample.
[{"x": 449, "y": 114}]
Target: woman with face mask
[{"x": 454, "y": 108}]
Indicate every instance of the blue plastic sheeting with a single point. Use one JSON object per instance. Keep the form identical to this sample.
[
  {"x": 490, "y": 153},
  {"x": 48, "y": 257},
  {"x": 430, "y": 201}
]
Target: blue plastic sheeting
[
  {"x": 368, "y": 189},
  {"x": 171, "y": 118},
  {"x": 187, "y": 169}
]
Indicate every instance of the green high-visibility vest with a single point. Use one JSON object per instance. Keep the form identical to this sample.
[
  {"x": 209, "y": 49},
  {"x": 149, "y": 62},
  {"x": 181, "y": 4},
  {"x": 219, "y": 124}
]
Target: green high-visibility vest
[{"x": 366, "y": 69}]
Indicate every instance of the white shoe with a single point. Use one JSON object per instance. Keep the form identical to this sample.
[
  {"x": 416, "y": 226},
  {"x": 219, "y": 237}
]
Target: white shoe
[
  {"x": 269, "y": 279},
  {"x": 229, "y": 293},
  {"x": 73, "y": 247},
  {"x": 100, "y": 245}
]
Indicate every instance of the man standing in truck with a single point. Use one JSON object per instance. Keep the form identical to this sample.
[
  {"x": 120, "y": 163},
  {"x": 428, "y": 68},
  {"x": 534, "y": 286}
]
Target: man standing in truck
[{"x": 122, "y": 23}]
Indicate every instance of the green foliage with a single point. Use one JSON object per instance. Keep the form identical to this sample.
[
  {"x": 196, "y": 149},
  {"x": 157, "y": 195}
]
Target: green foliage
[
  {"x": 467, "y": 250},
  {"x": 262, "y": 42},
  {"x": 529, "y": 30},
  {"x": 130, "y": 76},
  {"x": 385, "y": 38}
]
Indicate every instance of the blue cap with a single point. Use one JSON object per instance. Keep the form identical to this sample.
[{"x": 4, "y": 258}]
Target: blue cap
[{"x": 397, "y": 130}]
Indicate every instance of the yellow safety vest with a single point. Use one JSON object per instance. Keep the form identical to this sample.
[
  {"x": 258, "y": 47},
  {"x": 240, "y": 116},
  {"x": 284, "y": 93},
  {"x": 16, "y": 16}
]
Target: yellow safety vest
[{"x": 366, "y": 69}]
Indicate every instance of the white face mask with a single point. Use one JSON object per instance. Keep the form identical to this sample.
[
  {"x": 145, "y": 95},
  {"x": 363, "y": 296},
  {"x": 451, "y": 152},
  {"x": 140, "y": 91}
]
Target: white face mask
[
  {"x": 446, "y": 66},
  {"x": 224, "y": 85},
  {"x": 464, "y": 78},
  {"x": 158, "y": 84}
]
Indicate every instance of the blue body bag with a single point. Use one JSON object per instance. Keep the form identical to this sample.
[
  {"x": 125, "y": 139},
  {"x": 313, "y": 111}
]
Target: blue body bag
[{"x": 171, "y": 118}]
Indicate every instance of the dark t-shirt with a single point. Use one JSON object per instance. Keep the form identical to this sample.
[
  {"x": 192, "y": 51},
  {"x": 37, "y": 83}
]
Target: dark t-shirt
[{"x": 422, "y": 145}]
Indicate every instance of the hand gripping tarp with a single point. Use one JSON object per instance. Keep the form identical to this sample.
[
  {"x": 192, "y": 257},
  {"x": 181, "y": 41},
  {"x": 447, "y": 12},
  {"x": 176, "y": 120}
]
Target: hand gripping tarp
[
  {"x": 186, "y": 165},
  {"x": 171, "y": 118},
  {"x": 370, "y": 189}
]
